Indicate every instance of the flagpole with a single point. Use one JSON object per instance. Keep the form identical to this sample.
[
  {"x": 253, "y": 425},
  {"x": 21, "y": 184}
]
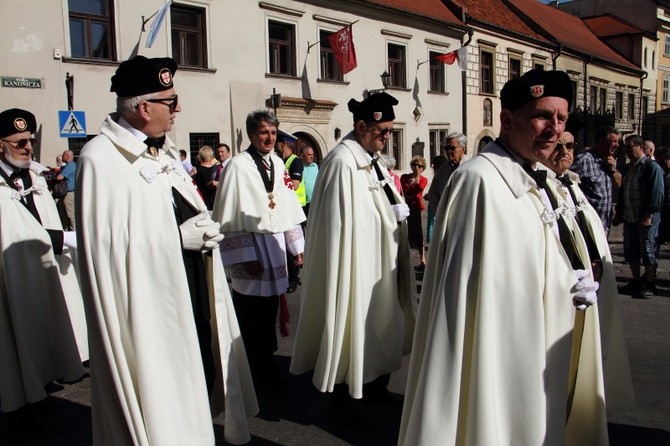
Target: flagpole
[{"x": 317, "y": 42}]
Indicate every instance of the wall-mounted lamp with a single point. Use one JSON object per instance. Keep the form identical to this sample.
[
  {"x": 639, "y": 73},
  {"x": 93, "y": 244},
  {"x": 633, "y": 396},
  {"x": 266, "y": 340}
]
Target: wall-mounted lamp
[
  {"x": 386, "y": 79},
  {"x": 338, "y": 133}
]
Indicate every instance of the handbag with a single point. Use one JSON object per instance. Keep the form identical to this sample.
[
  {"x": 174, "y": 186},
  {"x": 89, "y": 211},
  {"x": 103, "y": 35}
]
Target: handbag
[{"x": 60, "y": 189}]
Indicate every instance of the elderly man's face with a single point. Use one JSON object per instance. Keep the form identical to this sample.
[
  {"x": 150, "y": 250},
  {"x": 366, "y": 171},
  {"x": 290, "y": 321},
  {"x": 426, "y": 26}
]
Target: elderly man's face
[
  {"x": 634, "y": 151},
  {"x": 17, "y": 150},
  {"x": 264, "y": 138},
  {"x": 454, "y": 151},
  {"x": 534, "y": 129},
  {"x": 372, "y": 136},
  {"x": 649, "y": 149},
  {"x": 607, "y": 145},
  {"x": 162, "y": 111},
  {"x": 308, "y": 156},
  {"x": 564, "y": 155}
]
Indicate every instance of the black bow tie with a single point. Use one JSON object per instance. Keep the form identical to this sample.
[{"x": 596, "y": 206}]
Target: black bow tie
[
  {"x": 19, "y": 173},
  {"x": 565, "y": 179},
  {"x": 155, "y": 142},
  {"x": 540, "y": 176}
]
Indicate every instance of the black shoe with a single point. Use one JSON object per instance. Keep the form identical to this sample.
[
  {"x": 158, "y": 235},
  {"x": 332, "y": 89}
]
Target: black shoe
[
  {"x": 633, "y": 286},
  {"x": 346, "y": 415},
  {"x": 292, "y": 286},
  {"x": 25, "y": 423},
  {"x": 383, "y": 399}
]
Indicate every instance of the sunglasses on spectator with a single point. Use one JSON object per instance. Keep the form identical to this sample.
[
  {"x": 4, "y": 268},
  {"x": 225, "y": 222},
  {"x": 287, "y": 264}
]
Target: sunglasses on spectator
[
  {"x": 567, "y": 145},
  {"x": 21, "y": 143},
  {"x": 417, "y": 165},
  {"x": 383, "y": 131},
  {"x": 171, "y": 102}
]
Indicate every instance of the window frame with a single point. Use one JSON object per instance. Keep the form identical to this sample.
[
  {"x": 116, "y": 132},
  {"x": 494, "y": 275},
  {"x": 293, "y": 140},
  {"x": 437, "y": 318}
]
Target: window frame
[
  {"x": 631, "y": 106},
  {"x": 184, "y": 32},
  {"x": 394, "y": 146},
  {"x": 436, "y": 138},
  {"x": 666, "y": 46},
  {"x": 327, "y": 61},
  {"x": 618, "y": 104},
  {"x": 593, "y": 99},
  {"x": 397, "y": 67},
  {"x": 602, "y": 100},
  {"x": 488, "y": 69},
  {"x": 87, "y": 19},
  {"x": 274, "y": 47},
  {"x": 665, "y": 91},
  {"x": 437, "y": 82},
  {"x": 509, "y": 67}
]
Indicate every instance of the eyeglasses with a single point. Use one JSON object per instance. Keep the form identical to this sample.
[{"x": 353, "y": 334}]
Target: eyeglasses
[
  {"x": 384, "y": 131},
  {"x": 417, "y": 165},
  {"x": 21, "y": 143},
  {"x": 567, "y": 145},
  {"x": 451, "y": 147},
  {"x": 171, "y": 102}
]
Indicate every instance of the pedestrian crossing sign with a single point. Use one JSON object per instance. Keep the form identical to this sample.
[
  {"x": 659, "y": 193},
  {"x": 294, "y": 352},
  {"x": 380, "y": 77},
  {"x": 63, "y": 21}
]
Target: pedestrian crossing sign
[{"x": 72, "y": 124}]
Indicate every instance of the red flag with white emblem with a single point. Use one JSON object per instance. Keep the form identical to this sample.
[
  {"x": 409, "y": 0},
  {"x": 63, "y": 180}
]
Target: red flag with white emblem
[{"x": 342, "y": 43}]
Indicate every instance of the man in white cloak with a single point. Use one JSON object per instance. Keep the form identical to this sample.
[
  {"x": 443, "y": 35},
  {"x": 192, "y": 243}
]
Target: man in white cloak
[
  {"x": 37, "y": 340},
  {"x": 260, "y": 216},
  {"x": 356, "y": 318},
  {"x": 494, "y": 355},
  {"x": 616, "y": 368},
  {"x": 166, "y": 353}
]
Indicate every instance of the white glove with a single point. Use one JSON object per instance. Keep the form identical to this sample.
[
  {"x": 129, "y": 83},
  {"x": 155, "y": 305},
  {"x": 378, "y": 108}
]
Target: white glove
[
  {"x": 200, "y": 233},
  {"x": 586, "y": 289},
  {"x": 70, "y": 239},
  {"x": 401, "y": 211}
]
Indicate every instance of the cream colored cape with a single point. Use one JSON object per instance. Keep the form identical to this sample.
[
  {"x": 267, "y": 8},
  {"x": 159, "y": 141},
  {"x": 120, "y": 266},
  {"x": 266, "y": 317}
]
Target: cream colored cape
[
  {"x": 147, "y": 379},
  {"x": 242, "y": 204},
  {"x": 492, "y": 349},
  {"x": 356, "y": 316},
  {"x": 616, "y": 368},
  {"x": 37, "y": 340}
]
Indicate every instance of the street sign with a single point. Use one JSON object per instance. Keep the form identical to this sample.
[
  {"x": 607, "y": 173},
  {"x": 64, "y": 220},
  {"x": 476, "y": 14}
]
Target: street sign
[{"x": 72, "y": 124}]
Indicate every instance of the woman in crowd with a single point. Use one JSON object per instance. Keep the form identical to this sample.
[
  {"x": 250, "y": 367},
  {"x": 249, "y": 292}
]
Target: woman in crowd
[
  {"x": 207, "y": 166},
  {"x": 413, "y": 185}
]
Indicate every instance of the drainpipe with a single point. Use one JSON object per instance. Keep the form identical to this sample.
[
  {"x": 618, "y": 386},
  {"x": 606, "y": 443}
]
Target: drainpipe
[
  {"x": 557, "y": 54},
  {"x": 464, "y": 86},
  {"x": 586, "y": 105},
  {"x": 639, "y": 118}
]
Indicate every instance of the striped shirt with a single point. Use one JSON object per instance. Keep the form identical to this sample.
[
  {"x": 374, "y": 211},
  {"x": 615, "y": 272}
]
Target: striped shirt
[{"x": 596, "y": 183}]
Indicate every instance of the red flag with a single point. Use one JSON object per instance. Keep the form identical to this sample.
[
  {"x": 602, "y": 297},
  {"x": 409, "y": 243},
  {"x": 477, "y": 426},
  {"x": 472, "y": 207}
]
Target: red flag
[
  {"x": 342, "y": 43},
  {"x": 447, "y": 58}
]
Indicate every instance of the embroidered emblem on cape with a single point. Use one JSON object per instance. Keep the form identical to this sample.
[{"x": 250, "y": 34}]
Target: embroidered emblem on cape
[
  {"x": 537, "y": 91},
  {"x": 549, "y": 217},
  {"x": 165, "y": 77},
  {"x": 581, "y": 205},
  {"x": 19, "y": 194},
  {"x": 376, "y": 184},
  {"x": 149, "y": 173},
  {"x": 20, "y": 124},
  {"x": 377, "y": 116}
]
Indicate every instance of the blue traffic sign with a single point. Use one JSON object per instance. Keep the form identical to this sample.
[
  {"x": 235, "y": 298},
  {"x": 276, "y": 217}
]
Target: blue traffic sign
[{"x": 72, "y": 124}]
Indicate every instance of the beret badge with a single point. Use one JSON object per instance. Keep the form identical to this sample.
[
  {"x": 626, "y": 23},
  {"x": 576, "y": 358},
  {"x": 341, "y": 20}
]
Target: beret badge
[
  {"x": 377, "y": 116},
  {"x": 165, "y": 77},
  {"x": 537, "y": 91},
  {"x": 20, "y": 124}
]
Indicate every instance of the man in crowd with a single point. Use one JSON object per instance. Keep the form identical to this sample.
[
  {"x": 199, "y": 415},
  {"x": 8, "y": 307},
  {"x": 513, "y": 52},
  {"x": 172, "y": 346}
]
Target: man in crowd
[
  {"x": 493, "y": 358},
  {"x": 37, "y": 340},
  {"x": 616, "y": 368},
  {"x": 356, "y": 319},
  {"x": 598, "y": 172},
  {"x": 455, "y": 147},
  {"x": 67, "y": 173},
  {"x": 164, "y": 341},
  {"x": 639, "y": 208},
  {"x": 294, "y": 166},
  {"x": 260, "y": 216},
  {"x": 223, "y": 156},
  {"x": 309, "y": 173},
  {"x": 649, "y": 149},
  {"x": 186, "y": 164}
]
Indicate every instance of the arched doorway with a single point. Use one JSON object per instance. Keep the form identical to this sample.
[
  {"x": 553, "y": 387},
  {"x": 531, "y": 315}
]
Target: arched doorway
[{"x": 305, "y": 139}]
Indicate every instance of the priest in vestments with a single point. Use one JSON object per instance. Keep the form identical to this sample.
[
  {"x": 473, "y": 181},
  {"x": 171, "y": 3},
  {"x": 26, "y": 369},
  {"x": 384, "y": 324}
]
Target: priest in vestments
[
  {"x": 39, "y": 327},
  {"x": 495, "y": 352},
  {"x": 166, "y": 352},
  {"x": 260, "y": 216},
  {"x": 356, "y": 317}
]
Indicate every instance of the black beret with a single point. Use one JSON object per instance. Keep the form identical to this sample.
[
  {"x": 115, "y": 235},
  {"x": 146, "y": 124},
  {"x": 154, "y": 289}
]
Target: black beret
[
  {"x": 16, "y": 120},
  {"x": 139, "y": 76},
  {"x": 378, "y": 107},
  {"x": 536, "y": 84},
  {"x": 282, "y": 136}
]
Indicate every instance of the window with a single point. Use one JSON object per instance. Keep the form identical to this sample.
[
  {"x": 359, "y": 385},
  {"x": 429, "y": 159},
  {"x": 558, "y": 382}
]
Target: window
[
  {"x": 573, "y": 106},
  {"x": 486, "y": 72},
  {"x": 197, "y": 140},
  {"x": 618, "y": 105},
  {"x": 602, "y": 105},
  {"x": 643, "y": 108},
  {"x": 593, "y": 99},
  {"x": 514, "y": 68},
  {"x": 437, "y": 138},
  {"x": 91, "y": 29},
  {"x": 393, "y": 146},
  {"x": 281, "y": 48},
  {"x": 436, "y": 73},
  {"x": 631, "y": 106},
  {"x": 76, "y": 144},
  {"x": 329, "y": 68},
  {"x": 645, "y": 57},
  {"x": 188, "y": 36},
  {"x": 666, "y": 47},
  {"x": 665, "y": 98},
  {"x": 488, "y": 113},
  {"x": 397, "y": 70}
]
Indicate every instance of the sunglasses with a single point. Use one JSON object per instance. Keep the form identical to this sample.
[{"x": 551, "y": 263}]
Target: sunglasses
[
  {"x": 383, "y": 131},
  {"x": 418, "y": 165},
  {"x": 170, "y": 102},
  {"x": 21, "y": 143},
  {"x": 567, "y": 145},
  {"x": 451, "y": 147}
]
